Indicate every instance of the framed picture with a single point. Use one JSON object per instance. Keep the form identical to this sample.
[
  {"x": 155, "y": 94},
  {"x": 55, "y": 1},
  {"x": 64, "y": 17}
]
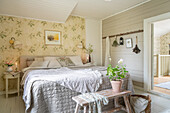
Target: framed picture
[
  {"x": 53, "y": 37},
  {"x": 129, "y": 43}
]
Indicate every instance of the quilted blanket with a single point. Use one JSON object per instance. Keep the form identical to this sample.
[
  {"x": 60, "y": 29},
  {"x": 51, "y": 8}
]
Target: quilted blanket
[{"x": 50, "y": 96}]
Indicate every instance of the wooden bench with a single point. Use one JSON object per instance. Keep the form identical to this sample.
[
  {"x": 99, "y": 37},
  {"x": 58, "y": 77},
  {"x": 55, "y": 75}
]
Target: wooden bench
[{"x": 110, "y": 95}]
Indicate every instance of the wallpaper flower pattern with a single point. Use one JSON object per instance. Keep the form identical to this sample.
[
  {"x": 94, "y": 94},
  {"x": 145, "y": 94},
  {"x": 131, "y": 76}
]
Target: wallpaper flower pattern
[
  {"x": 31, "y": 34},
  {"x": 164, "y": 44}
]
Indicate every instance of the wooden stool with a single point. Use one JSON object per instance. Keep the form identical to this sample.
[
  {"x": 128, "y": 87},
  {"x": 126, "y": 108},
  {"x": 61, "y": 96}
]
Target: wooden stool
[{"x": 110, "y": 95}]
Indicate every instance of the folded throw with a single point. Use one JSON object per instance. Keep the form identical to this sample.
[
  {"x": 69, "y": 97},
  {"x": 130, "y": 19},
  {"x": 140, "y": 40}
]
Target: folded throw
[{"x": 95, "y": 101}]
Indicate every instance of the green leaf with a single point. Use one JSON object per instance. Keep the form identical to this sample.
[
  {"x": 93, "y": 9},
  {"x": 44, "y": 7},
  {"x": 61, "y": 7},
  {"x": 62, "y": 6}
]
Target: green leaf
[
  {"x": 2, "y": 34},
  {"x": 118, "y": 78}
]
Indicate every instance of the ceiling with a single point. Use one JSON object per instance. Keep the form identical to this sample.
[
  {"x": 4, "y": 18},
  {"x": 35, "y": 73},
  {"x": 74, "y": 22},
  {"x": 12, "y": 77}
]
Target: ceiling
[
  {"x": 100, "y": 9},
  {"x": 51, "y": 10},
  {"x": 161, "y": 27},
  {"x": 60, "y": 10}
]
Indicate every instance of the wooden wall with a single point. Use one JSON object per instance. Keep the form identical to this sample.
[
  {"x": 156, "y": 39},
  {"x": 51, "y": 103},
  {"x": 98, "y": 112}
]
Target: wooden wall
[{"x": 132, "y": 20}]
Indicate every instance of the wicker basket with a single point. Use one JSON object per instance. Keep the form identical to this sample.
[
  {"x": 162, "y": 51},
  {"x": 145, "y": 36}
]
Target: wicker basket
[{"x": 148, "y": 108}]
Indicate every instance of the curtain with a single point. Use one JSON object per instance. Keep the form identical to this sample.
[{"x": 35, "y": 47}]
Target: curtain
[{"x": 107, "y": 56}]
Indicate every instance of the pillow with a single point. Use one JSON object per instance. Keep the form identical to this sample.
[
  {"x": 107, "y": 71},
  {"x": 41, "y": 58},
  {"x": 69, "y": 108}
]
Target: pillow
[
  {"x": 64, "y": 61},
  {"x": 54, "y": 64},
  {"x": 50, "y": 58},
  {"x": 42, "y": 64},
  {"x": 76, "y": 60},
  {"x": 39, "y": 59},
  {"x": 29, "y": 62}
]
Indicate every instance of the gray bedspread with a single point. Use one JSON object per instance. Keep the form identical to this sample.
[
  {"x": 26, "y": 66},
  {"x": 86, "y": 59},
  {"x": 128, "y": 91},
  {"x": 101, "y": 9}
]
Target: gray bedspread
[{"x": 50, "y": 97}]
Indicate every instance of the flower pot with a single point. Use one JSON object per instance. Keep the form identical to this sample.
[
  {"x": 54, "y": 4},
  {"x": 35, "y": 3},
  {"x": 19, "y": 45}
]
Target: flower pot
[
  {"x": 116, "y": 86},
  {"x": 9, "y": 69}
]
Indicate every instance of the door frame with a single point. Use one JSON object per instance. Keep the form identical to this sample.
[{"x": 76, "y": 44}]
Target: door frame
[{"x": 148, "y": 48}]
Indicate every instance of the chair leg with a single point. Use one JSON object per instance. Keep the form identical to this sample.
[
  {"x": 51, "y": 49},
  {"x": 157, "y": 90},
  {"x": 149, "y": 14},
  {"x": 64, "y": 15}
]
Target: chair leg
[{"x": 128, "y": 107}]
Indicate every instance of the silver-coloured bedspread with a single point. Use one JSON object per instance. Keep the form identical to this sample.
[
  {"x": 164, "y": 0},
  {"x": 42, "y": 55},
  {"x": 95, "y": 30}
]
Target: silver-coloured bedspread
[{"x": 49, "y": 97}]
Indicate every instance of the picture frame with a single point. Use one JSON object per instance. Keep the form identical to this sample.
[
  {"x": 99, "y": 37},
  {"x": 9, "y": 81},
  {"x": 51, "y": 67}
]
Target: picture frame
[
  {"x": 53, "y": 37},
  {"x": 129, "y": 43}
]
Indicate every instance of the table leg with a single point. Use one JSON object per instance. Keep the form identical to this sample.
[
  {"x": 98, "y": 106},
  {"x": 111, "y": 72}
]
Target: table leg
[
  {"x": 128, "y": 107},
  {"x": 18, "y": 85},
  {"x": 77, "y": 108},
  {"x": 6, "y": 88},
  {"x": 116, "y": 101}
]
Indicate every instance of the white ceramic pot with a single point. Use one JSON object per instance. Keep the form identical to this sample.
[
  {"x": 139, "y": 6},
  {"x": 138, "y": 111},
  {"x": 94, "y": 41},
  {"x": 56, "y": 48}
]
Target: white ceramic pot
[
  {"x": 116, "y": 86},
  {"x": 9, "y": 69}
]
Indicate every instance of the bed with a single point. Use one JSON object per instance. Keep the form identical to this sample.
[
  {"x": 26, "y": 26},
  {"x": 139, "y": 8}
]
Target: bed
[{"x": 45, "y": 93}]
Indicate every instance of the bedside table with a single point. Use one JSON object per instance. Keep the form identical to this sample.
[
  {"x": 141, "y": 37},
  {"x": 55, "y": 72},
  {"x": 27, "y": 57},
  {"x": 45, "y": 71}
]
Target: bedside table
[{"x": 12, "y": 75}]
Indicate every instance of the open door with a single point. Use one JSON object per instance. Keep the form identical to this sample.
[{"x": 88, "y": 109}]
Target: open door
[{"x": 160, "y": 57}]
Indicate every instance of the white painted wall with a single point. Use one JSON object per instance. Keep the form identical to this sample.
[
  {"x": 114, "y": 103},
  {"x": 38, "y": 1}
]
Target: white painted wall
[{"x": 94, "y": 37}]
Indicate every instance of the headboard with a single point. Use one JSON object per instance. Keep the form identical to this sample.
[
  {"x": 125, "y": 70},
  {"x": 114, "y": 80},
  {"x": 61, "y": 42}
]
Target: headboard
[{"x": 24, "y": 59}]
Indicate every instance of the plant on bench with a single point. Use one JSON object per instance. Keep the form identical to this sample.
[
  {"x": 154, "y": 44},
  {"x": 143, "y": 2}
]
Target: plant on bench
[{"x": 116, "y": 74}]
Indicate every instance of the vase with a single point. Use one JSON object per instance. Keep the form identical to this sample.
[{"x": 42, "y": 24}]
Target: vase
[
  {"x": 116, "y": 86},
  {"x": 9, "y": 69},
  {"x": 89, "y": 58},
  {"x": 83, "y": 56}
]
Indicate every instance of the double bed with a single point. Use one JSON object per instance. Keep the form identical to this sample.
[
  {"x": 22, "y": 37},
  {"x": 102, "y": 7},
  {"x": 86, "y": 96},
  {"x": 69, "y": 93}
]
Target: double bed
[{"x": 50, "y": 89}]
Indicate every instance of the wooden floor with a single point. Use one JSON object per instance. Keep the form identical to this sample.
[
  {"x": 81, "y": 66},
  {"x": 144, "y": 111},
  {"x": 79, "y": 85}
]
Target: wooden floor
[
  {"x": 161, "y": 80},
  {"x": 15, "y": 104}
]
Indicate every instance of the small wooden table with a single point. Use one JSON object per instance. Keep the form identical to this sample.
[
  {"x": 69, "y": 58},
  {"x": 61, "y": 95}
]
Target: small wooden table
[
  {"x": 110, "y": 95},
  {"x": 12, "y": 75}
]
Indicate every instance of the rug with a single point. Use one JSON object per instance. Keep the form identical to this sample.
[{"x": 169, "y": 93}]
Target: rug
[{"x": 165, "y": 85}]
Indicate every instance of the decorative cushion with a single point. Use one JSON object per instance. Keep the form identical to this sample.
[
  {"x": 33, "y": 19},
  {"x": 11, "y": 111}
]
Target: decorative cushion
[
  {"x": 76, "y": 60},
  {"x": 138, "y": 104},
  {"x": 64, "y": 61},
  {"x": 39, "y": 64},
  {"x": 54, "y": 64},
  {"x": 29, "y": 62}
]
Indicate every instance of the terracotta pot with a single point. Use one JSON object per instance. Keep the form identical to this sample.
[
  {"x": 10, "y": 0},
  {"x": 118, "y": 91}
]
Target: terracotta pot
[{"x": 116, "y": 86}]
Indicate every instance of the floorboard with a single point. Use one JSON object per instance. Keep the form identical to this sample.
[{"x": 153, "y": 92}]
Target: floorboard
[{"x": 158, "y": 80}]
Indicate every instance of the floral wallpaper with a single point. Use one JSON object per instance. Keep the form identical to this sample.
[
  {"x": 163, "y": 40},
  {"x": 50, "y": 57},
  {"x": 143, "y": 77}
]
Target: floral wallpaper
[
  {"x": 31, "y": 35},
  {"x": 164, "y": 44}
]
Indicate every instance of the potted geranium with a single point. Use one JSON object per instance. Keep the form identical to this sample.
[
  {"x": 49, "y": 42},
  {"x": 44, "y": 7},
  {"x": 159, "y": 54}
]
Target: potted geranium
[
  {"x": 9, "y": 64},
  {"x": 116, "y": 74}
]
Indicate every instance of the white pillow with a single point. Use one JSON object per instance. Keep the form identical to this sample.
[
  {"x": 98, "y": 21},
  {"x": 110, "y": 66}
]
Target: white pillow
[
  {"x": 40, "y": 64},
  {"x": 54, "y": 64},
  {"x": 76, "y": 60},
  {"x": 65, "y": 61},
  {"x": 39, "y": 59},
  {"x": 50, "y": 58}
]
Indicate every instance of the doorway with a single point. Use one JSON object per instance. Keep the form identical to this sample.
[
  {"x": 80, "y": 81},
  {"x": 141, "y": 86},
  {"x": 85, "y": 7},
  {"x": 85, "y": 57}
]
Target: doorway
[
  {"x": 150, "y": 70},
  {"x": 160, "y": 56}
]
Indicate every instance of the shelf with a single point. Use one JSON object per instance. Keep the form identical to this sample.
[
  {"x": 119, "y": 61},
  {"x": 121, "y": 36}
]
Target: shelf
[{"x": 12, "y": 91}]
